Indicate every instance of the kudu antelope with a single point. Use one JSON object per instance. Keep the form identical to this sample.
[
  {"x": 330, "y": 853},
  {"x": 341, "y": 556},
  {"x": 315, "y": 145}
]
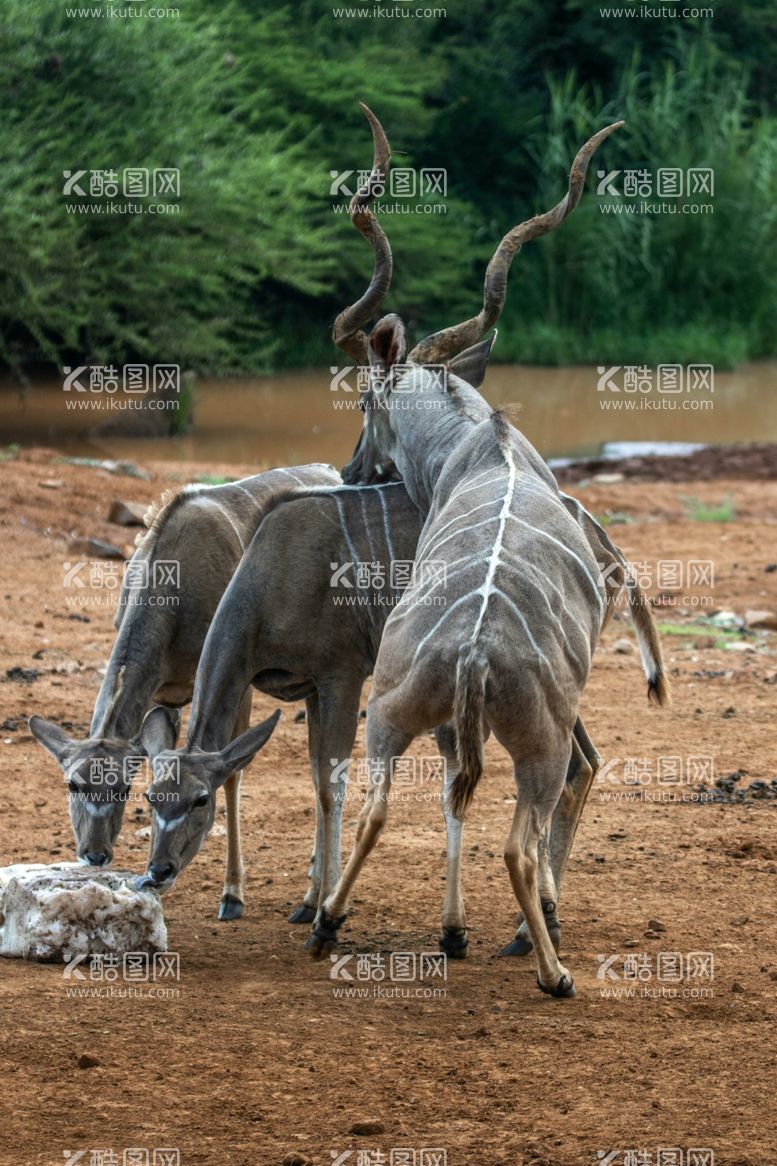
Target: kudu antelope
[
  {"x": 161, "y": 624},
  {"x": 280, "y": 627},
  {"x": 525, "y": 601}
]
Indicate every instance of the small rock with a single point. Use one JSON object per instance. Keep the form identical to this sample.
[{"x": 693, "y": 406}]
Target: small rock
[
  {"x": 725, "y": 619},
  {"x": 127, "y": 513},
  {"x": 363, "y": 1128},
  {"x": 630, "y": 942},
  {"x": 740, "y": 646},
  {"x": 624, "y": 647},
  {"x": 728, "y": 713},
  {"x": 761, "y": 619},
  {"x": 24, "y": 675},
  {"x": 295, "y": 1159},
  {"x": 609, "y": 479},
  {"x": 52, "y": 483},
  {"x": 87, "y": 1061},
  {"x": 299, "y": 717},
  {"x": 737, "y": 987},
  {"x": 656, "y": 925},
  {"x": 96, "y": 548},
  {"x": 143, "y": 832},
  {"x": 740, "y": 920},
  {"x": 650, "y": 934}
]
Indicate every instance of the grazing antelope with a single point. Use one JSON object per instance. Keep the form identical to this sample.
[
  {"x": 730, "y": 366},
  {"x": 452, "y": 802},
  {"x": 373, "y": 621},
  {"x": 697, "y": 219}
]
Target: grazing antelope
[
  {"x": 161, "y": 629},
  {"x": 525, "y": 601},
  {"x": 279, "y": 627}
]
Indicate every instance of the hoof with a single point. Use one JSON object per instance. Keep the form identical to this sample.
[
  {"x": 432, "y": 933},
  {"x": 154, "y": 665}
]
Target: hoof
[
  {"x": 454, "y": 942},
  {"x": 230, "y": 908},
  {"x": 521, "y": 945},
  {"x": 323, "y": 938},
  {"x": 303, "y": 914},
  {"x": 564, "y": 988}
]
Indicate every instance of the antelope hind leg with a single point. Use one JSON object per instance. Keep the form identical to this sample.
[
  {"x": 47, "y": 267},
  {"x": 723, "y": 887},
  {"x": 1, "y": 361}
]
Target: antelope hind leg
[{"x": 583, "y": 765}]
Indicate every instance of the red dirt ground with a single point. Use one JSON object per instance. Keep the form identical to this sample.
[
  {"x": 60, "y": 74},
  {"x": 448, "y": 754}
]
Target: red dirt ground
[{"x": 256, "y": 1061}]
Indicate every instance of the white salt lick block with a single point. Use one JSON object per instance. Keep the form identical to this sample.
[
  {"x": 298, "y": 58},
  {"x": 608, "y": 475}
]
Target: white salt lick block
[{"x": 65, "y": 910}]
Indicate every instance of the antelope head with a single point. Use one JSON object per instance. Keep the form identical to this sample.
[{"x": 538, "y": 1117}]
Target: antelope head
[
  {"x": 182, "y": 793},
  {"x": 451, "y": 362},
  {"x": 99, "y": 772}
]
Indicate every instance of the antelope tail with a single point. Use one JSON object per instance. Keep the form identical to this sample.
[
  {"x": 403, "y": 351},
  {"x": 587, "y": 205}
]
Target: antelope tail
[
  {"x": 649, "y": 644},
  {"x": 471, "y": 673}
]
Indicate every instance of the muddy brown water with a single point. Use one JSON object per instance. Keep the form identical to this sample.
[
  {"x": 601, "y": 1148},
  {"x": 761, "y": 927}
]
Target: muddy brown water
[{"x": 295, "y": 417}]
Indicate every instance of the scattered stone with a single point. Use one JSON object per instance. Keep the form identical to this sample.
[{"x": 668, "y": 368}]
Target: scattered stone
[
  {"x": 650, "y": 934},
  {"x": 295, "y": 1159},
  {"x": 740, "y": 920},
  {"x": 623, "y": 647},
  {"x": 728, "y": 713},
  {"x": 609, "y": 479},
  {"x": 725, "y": 619},
  {"x": 96, "y": 548},
  {"x": 656, "y": 925},
  {"x": 737, "y": 987},
  {"x": 127, "y": 513},
  {"x": 630, "y": 942},
  {"x": 52, "y": 483},
  {"x": 363, "y": 1129},
  {"x": 23, "y": 675},
  {"x": 88, "y": 1061},
  {"x": 761, "y": 619},
  {"x": 300, "y": 717},
  {"x": 740, "y": 646}
]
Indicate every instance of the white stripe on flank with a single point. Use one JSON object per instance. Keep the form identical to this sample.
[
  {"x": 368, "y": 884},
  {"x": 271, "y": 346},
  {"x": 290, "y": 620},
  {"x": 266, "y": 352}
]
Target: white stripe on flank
[
  {"x": 386, "y": 528},
  {"x": 344, "y": 528},
  {"x": 230, "y": 520},
  {"x": 499, "y": 541},
  {"x": 433, "y": 631},
  {"x": 538, "y": 651},
  {"x": 566, "y": 549},
  {"x": 294, "y": 478},
  {"x": 426, "y": 548},
  {"x": 365, "y": 516}
]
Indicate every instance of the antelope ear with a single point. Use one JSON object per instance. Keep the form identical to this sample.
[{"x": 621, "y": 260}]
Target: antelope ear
[
  {"x": 160, "y": 730},
  {"x": 388, "y": 344},
  {"x": 52, "y": 738},
  {"x": 471, "y": 364},
  {"x": 245, "y": 747}
]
